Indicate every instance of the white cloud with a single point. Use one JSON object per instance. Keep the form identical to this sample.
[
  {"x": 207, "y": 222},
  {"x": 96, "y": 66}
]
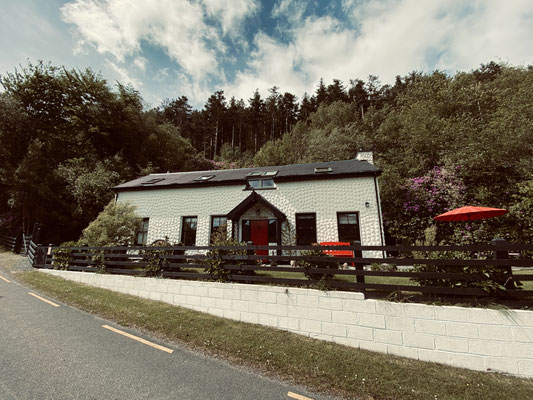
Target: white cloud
[
  {"x": 393, "y": 37},
  {"x": 231, "y": 14},
  {"x": 140, "y": 63},
  {"x": 123, "y": 76},
  {"x": 292, "y": 10}
]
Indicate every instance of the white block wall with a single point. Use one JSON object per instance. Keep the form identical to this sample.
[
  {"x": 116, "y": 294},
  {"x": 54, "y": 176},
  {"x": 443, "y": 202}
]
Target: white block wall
[
  {"x": 166, "y": 207},
  {"x": 474, "y": 338}
]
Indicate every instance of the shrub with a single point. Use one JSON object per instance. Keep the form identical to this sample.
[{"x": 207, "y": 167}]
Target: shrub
[
  {"x": 309, "y": 266},
  {"x": 63, "y": 258},
  {"x": 115, "y": 226},
  {"x": 156, "y": 258},
  {"x": 214, "y": 261}
]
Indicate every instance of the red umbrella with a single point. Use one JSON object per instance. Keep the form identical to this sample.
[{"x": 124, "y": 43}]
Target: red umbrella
[{"x": 469, "y": 213}]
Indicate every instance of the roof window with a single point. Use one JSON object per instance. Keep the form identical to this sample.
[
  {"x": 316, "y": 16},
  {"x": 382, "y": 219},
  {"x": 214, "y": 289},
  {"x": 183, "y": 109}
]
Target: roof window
[
  {"x": 204, "y": 178},
  {"x": 323, "y": 170},
  {"x": 255, "y": 173},
  {"x": 152, "y": 181}
]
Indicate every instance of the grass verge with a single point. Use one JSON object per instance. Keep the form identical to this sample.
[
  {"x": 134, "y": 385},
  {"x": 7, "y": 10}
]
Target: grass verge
[{"x": 319, "y": 365}]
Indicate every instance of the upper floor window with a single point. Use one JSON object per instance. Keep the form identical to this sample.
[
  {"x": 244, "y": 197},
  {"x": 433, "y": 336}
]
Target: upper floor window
[
  {"x": 188, "y": 231},
  {"x": 263, "y": 183},
  {"x": 142, "y": 234}
]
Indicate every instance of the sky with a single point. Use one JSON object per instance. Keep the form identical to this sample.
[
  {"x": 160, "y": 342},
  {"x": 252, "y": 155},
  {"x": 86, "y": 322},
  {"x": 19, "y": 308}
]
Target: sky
[{"x": 169, "y": 48}]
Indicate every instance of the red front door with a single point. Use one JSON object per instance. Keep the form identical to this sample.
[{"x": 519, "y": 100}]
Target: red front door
[{"x": 259, "y": 235}]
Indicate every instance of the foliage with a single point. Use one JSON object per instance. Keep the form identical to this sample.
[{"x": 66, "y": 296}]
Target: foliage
[
  {"x": 115, "y": 226},
  {"x": 310, "y": 266},
  {"x": 215, "y": 262},
  {"x": 62, "y": 255},
  {"x": 156, "y": 257}
]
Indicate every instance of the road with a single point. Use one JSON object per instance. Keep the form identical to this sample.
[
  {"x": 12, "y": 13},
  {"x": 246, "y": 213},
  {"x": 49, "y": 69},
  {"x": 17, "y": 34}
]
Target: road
[{"x": 49, "y": 352}]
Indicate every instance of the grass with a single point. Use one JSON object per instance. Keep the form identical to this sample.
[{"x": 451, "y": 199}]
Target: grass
[{"x": 319, "y": 365}]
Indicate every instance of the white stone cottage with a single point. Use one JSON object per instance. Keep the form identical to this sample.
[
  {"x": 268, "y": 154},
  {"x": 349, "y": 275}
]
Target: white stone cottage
[{"x": 334, "y": 201}]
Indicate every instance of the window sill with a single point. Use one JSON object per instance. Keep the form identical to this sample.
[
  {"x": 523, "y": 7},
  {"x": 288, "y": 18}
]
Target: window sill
[{"x": 249, "y": 189}]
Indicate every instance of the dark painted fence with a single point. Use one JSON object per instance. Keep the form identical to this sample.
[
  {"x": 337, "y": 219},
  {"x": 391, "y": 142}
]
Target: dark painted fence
[
  {"x": 8, "y": 242},
  {"x": 479, "y": 270}
]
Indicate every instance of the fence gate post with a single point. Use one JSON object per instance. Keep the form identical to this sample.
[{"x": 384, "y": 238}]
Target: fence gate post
[
  {"x": 18, "y": 241},
  {"x": 357, "y": 253},
  {"x": 505, "y": 273}
]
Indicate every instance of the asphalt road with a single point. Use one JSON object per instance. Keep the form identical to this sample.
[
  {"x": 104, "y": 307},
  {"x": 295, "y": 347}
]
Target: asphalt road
[{"x": 49, "y": 352}]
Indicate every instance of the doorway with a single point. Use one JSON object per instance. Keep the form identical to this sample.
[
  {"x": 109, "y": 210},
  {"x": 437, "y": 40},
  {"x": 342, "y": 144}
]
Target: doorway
[{"x": 259, "y": 235}]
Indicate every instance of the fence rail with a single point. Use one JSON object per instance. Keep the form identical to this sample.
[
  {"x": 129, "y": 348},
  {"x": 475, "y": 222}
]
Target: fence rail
[
  {"x": 470, "y": 271},
  {"x": 8, "y": 242}
]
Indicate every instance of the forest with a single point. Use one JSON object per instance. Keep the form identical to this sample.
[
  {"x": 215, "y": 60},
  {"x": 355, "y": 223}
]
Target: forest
[{"x": 68, "y": 136}]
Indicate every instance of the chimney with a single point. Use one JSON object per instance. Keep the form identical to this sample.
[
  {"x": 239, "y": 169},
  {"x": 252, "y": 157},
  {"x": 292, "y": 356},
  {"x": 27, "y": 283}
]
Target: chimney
[{"x": 365, "y": 156}]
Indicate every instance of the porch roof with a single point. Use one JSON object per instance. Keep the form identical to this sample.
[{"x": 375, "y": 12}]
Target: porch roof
[{"x": 255, "y": 198}]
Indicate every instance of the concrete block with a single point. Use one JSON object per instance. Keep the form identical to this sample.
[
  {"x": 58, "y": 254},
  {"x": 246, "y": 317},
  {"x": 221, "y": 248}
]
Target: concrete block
[
  {"x": 402, "y": 351},
  {"x": 288, "y": 323},
  {"x": 501, "y": 364},
  {"x": 208, "y": 302},
  {"x": 525, "y": 367},
  {"x": 239, "y": 305},
  {"x": 275, "y": 309},
  {"x": 389, "y": 308},
  {"x": 359, "y": 332},
  {"x": 311, "y": 326},
  {"x": 360, "y": 306},
  {"x": 445, "y": 313},
  {"x": 193, "y": 300},
  {"x": 320, "y": 315},
  {"x": 174, "y": 288},
  {"x": 419, "y": 340},
  {"x": 350, "y": 342},
  {"x": 347, "y": 295},
  {"x": 404, "y": 324},
  {"x": 523, "y": 317},
  {"x": 179, "y": 299},
  {"x": 494, "y": 317},
  {"x": 167, "y": 298},
  {"x": 462, "y": 329},
  {"x": 282, "y": 298},
  {"x": 419, "y": 311},
  {"x": 518, "y": 350},
  {"x": 266, "y": 297},
  {"x": 298, "y": 312},
  {"x": 215, "y": 292},
  {"x": 345, "y": 317},
  {"x": 493, "y": 332},
  {"x": 216, "y": 311},
  {"x": 330, "y": 303},
  {"x": 232, "y": 294},
  {"x": 453, "y": 344},
  {"x": 268, "y": 320},
  {"x": 430, "y": 326},
  {"x": 475, "y": 362},
  {"x": 334, "y": 329},
  {"x": 224, "y": 304},
  {"x": 249, "y": 295},
  {"x": 230, "y": 314},
  {"x": 307, "y": 301},
  {"x": 320, "y": 336},
  {"x": 251, "y": 318},
  {"x": 389, "y": 337},
  {"x": 484, "y": 347},
  {"x": 435, "y": 356},
  {"x": 521, "y": 334},
  {"x": 371, "y": 320},
  {"x": 373, "y": 346}
]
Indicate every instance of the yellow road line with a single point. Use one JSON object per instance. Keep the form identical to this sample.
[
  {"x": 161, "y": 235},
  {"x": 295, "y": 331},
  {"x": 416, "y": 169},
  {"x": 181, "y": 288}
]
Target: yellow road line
[
  {"x": 138, "y": 339},
  {"x": 298, "y": 396},
  {"x": 43, "y": 299},
  {"x": 5, "y": 279}
]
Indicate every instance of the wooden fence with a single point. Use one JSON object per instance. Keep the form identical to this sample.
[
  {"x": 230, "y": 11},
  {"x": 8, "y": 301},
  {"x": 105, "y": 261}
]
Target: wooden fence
[
  {"x": 8, "y": 242},
  {"x": 465, "y": 271}
]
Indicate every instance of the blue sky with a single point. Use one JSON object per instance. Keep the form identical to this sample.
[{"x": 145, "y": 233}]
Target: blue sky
[{"x": 169, "y": 48}]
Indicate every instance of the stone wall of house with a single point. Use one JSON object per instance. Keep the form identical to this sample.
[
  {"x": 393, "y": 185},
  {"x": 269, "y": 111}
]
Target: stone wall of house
[
  {"x": 474, "y": 338},
  {"x": 166, "y": 207}
]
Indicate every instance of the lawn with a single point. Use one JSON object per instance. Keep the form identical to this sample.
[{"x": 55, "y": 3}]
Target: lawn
[{"x": 320, "y": 365}]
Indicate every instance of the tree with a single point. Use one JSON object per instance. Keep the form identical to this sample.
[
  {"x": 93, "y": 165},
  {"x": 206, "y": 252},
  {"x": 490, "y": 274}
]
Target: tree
[{"x": 215, "y": 109}]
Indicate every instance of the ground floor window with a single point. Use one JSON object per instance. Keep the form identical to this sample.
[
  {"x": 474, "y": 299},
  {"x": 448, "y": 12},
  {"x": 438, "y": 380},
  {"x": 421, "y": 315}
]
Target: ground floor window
[
  {"x": 142, "y": 234},
  {"x": 188, "y": 231},
  {"x": 218, "y": 223},
  {"x": 348, "y": 223},
  {"x": 305, "y": 229}
]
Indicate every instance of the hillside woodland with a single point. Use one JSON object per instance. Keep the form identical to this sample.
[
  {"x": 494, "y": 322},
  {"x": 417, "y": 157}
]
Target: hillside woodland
[{"x": 442, "y": 141}]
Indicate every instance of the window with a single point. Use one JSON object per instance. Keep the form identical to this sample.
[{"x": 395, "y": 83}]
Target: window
[
  {"x": 218, "y": 223},
  {"x": 264, "y": 183},
  {"x": 323, "y": 170},
  {"x": 348, "y": 226},
  {"x": 204, "y": 178},
  {"x": 188, "y": 231},
  {"x": 152, "y": 181},
  {"x": 142, "y": 233},
  {"x": 305, "y": 229}
]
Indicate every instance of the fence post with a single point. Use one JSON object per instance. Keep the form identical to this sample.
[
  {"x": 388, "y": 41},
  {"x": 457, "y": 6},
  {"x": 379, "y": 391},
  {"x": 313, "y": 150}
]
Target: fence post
[
  {"x": 35, "y": 239},
  {"x": 357, "y": 253},
  {"x": 18, "y": 241},
  {"x": 504, "y": 273}
]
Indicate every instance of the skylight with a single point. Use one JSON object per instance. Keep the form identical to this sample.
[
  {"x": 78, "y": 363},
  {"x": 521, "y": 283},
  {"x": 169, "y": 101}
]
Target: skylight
[
  {"x": 323, "y": 170},
  {"x": 270, "y": 173},
  {"x": 255, "y": 173},
  {"x": 152, "y": 181},
  {"x": 204, "y": 178}
]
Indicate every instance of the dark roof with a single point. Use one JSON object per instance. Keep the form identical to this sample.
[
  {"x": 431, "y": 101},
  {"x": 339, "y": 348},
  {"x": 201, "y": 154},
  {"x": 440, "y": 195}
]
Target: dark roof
[
  {"x": 292, "y": 172},
  {"x": 255, "y": 198}
]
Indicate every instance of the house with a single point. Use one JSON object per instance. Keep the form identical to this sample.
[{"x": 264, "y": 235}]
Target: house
[{"x": 288, "y": 204}]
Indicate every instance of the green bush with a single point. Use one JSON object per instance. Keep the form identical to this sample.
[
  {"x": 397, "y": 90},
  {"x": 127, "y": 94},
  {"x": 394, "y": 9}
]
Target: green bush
[
  {"x": 62, "y": 255},
  {"x": 156, "y": 258},
  {"x": 214, "y": 261},
  {"x": 115, "y": 226},
  {"x": 310, "y": 266}
]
